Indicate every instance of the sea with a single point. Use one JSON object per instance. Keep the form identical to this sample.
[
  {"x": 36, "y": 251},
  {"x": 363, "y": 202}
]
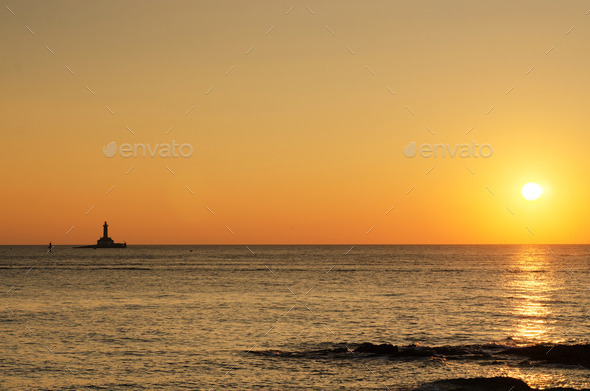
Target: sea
[{"x": 293, "y": 317}]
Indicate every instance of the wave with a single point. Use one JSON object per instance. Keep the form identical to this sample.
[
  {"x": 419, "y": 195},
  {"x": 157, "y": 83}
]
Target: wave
[
  {"x": 563, "y": 354},
  {"x": 78, "y": 267}
]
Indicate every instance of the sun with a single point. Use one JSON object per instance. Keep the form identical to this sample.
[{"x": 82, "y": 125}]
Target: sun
[{"x": 531, "y": 191}]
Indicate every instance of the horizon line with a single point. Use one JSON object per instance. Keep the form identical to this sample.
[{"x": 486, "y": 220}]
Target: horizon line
[{"x": 320, "y": 244}]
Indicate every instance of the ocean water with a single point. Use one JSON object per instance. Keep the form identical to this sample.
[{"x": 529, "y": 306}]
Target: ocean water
[{"x": 290, "y": 317}]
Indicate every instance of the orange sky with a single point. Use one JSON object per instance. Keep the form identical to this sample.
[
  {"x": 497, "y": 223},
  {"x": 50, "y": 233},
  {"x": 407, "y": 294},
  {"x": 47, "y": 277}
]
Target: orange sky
[{"x": 302, "y": 141}]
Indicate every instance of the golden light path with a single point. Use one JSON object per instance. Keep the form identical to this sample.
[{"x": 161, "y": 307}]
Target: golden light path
[{"x": 531, "y": 288}]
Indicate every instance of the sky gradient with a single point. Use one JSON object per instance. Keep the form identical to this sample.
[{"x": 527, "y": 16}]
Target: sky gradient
[{"x": 298, "y": 114}]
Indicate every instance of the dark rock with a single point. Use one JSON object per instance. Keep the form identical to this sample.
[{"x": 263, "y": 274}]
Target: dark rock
[
  {"x": 557, "y": 354},
  {"x": 384, "y": 348},
  {"x": 477, "y": 384}
]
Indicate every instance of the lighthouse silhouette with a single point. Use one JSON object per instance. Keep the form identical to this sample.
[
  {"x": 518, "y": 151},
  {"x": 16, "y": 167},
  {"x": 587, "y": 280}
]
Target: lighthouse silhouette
[{"x": 105, "y": 240}]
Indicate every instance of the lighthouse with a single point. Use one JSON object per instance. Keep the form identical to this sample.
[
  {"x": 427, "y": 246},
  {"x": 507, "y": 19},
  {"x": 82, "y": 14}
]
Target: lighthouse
[{"x": 105, "y": 241}]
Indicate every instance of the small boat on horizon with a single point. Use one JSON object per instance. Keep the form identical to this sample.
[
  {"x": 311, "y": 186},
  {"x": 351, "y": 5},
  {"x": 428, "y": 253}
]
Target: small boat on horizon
[{"x": 105, "y": 241}]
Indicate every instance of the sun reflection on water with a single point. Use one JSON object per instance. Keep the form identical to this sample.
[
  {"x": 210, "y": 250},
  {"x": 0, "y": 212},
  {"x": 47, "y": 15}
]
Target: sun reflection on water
[{"x": 531, "y": 288}]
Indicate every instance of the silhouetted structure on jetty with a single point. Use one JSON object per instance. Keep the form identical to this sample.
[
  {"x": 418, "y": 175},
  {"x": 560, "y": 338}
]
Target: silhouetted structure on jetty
[{"x": 105, "y": 241}]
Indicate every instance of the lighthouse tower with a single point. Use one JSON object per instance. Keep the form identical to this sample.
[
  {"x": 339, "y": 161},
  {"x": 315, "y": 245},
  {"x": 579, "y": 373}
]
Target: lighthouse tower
[{"x": 105, "y": 240}]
